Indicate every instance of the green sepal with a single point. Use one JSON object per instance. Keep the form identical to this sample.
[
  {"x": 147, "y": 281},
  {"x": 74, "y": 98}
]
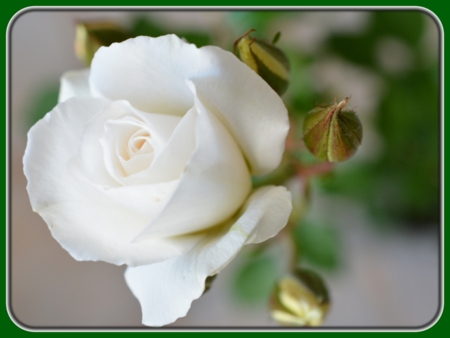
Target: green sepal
[
  {"x": 315, "y": 284},
  {"x": 209, "y": 282}
]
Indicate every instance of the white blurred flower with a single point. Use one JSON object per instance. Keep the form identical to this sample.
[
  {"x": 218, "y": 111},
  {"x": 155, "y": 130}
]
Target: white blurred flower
[{"x": 147, "y": 161}]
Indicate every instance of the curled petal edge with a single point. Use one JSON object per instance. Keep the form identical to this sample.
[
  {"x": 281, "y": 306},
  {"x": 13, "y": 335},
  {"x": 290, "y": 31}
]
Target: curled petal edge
[{"x": 166, "y": 290}]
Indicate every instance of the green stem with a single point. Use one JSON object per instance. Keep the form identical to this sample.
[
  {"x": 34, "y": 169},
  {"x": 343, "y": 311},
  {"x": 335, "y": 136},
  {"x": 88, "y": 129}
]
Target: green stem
[
  {"x": 278, "y": 177},
  {"x": 294, "y": 253}
]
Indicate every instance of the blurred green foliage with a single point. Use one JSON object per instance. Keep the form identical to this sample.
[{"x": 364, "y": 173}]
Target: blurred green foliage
[
  {"x": 243, "y": 21},
  {"x": 319, "y": 244},
  {"x": 42, "y": 102},
  {"x": 403, "y": 184},
  {"x": 361, "y": 49},
  {"x": 256, "y": 277},
  {"x": 143, "y": 26}
]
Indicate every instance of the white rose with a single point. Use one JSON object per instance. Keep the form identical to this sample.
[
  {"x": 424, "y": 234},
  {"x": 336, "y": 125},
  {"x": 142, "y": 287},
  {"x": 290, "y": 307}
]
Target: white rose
[{"x": 147, "y": 161}]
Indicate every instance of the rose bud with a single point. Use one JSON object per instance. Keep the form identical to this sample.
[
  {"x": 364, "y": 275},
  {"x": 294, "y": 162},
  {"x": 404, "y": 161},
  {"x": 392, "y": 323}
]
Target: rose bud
[
  {"x": 300, "y": 300},
  {"x": 90, "y": 36},
  {"x": 265, "y": 59},
  {"x": 332, "y": 134}
]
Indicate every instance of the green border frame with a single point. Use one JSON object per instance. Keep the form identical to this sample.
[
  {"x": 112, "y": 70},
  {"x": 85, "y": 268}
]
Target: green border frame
[{"x": 10, "y": 10}]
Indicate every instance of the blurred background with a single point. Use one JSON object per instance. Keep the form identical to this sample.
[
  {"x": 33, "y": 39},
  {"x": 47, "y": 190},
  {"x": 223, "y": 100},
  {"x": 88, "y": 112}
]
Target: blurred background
[{"x": 372, "y": 228}]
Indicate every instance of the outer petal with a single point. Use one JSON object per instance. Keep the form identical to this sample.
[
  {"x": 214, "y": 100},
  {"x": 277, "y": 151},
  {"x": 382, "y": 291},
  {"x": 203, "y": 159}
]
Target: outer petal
[
  {"x": 166, "y": 290},
  {"x": 247, "y": 106},
  {"x": 87, "y": 221},
  {"x": 147, "y": 72},
  {"x": 152, "y": 73},
  {"x": 74, "y": 83}
]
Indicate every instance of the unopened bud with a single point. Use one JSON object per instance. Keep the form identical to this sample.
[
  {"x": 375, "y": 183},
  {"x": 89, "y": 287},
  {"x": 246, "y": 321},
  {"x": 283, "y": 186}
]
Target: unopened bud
[
  {"x": 300, "y": 300},
  {"x": 265, "y": 59},
  {"x": 90, "y": 36},
  {"x": 332, "y": 134}
]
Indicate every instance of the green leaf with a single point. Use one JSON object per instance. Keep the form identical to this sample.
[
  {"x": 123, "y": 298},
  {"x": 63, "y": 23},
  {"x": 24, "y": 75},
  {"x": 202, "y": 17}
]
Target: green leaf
[
  {"x": 142, "y": 26},
  {"x": 319, "y": 244},
  {"x": 360, "y": 49},
  {"x": 42, "y": 102},
  {"x": 408, "y": 119},
  {"x": 255, "y": 279},
  {"x": 301, "y": 89},
  {"x": 198, "y": 39},
  {"x": 406, "y": 25}
]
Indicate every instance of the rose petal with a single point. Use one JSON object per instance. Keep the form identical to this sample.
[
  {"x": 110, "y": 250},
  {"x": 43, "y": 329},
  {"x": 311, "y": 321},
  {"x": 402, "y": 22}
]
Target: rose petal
[
  {"x": 118, "y": 155},
  {"x": 170, "y": 162},
  {"x": 151, "y": 73},
  {"x": 145, "y": 200},
  {"x": 166, "y": 290},
  {"x": 98, "y": 156},
  {"x": 247, "y": 106},
  {"x": 214, "y": 186},
  {"x": 91, "y": 154},
  {"x": 87, "y": 221},
  {"x": 74, "y": 83},
  {"x": 147, "y": 72}
]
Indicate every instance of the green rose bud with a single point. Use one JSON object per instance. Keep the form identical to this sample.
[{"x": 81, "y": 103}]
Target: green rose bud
[
  {"x": 90, "y": 36},
  {"x": 332, "y": 134},
  {"x": 300, "y": 300},
  {"x": 265, "y": 59}
]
